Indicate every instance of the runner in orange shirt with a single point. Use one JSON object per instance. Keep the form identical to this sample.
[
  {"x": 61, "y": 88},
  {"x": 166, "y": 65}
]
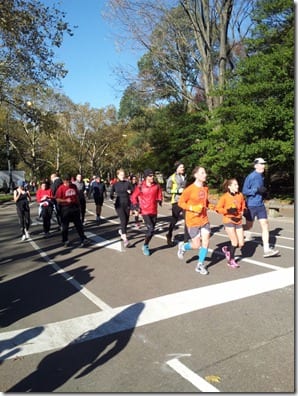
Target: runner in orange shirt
[
  {"x": 194, "y": 200},
  {"x": 232, "y": 205}
]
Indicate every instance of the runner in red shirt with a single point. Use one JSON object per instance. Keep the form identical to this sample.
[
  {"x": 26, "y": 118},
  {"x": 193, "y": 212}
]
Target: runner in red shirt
[
  {"x": 67, "y": 197},
  {"x": 148, "y": 195}
]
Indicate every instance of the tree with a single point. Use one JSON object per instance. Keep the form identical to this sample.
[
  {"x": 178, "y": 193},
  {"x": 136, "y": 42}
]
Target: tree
[
  {"x": 257, "y": 118},
  {"x": 29, "y": 32},
  {"x": 189, "y": 43}
]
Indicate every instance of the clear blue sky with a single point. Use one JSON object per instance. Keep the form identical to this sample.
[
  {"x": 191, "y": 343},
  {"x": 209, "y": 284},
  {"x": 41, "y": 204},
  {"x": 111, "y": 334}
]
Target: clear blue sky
[{"x": 90, "y": 55}]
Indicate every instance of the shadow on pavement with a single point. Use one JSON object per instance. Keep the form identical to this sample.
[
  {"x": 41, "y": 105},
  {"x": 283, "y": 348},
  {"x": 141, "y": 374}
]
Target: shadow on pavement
[{"x": 89, "y": 351}]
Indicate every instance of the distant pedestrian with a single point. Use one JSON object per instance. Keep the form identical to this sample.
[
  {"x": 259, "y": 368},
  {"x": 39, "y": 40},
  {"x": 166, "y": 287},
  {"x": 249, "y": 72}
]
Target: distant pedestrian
[
  {"x": 45, "y": 198},
  {"x": 22, "y": 197},
  {"x": 67, "y": 197},
  {"x": 175, "y": 185},
  {"x": 56, "y": 181},
  {"x": 81, "y": 186},
  {"x": 121, "y": 191},
  {"x": 99, "y": 193},
  {"x": 232, "y": 206},
  {"x": 135, "y": 208},
  {"x": 195, "y": 201},
  {"x": 148, "y": 195},
  {"x": 254, "y": 191}
]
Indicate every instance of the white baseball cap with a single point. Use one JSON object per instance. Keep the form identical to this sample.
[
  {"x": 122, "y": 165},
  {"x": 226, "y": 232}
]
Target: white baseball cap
[{"x": 259, "y": 161}]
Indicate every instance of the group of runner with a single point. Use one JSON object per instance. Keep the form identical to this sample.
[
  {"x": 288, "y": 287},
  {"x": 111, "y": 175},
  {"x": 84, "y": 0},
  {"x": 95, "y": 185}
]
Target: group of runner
[{"x": 67, "y": 198}]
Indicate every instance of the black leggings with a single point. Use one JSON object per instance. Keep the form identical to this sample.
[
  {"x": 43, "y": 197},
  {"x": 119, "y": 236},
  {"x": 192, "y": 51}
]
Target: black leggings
[
  {"x": 23, "y": 212},
  {"x": 123, "y": 214},
  {"x": 150, "y": 222},
  {"x": 177, "y": 213},
  {"x": 46, "y": 214}
]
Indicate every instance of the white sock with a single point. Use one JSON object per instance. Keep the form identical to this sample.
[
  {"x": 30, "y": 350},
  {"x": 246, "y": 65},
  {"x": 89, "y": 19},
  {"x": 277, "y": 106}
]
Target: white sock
[{"x": 266, "y": 247}]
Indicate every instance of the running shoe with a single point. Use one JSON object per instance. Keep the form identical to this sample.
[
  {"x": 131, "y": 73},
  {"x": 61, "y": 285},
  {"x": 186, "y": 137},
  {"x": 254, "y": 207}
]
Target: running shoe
[
  {"x": 23, "y": 237},
  {"x": 126, "y": 243},
  {"x": 232, "y": 263},
  {"x": 27, "y": 234},
  {"x": 66, "y": 243},
  {"x": 181, "y": 250},
  {"x": 169, "y": 240},
  {"x": 227, "y": 253},
  {"x": 146, "y": 250},
  {"x": 271, "y": 253},
  {"x": 83, "y": 243},
  {"x": 201, "y": 269}
]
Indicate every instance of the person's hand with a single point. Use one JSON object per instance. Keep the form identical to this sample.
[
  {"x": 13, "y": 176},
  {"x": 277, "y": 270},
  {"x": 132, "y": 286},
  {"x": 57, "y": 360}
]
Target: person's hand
[
  {"x": 236, "y": 219},
  {"x": 262, "y": 190},
  {"x": 159, "y": 203},
  {"x": 180, "y": 190},
  {"x": 197, "y": 208},
  {"x": 232, "y": 211}
]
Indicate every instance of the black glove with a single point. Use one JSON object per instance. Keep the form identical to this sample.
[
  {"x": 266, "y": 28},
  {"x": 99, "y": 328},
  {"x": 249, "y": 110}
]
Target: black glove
[
  {"x": 160, "y": 203},
  {"x": 232, "y": 211},
  {"x": 262, "y": 190},
  {"x": 236, "y": 219}
]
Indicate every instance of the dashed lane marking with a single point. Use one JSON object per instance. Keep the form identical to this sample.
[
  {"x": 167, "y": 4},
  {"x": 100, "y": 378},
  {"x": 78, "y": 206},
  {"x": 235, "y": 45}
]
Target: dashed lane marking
[
  {"x": 92, "y": 297},
  {"x": 191, "y": 377},
  {"x": 99, "y": 324}
]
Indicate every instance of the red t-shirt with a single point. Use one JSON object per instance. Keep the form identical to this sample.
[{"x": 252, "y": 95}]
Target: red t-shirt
[{"x": 67, "y": 192}]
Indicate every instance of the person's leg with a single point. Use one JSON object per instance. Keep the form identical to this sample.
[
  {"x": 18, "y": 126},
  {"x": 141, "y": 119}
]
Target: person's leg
[
  {"x": 21, "y": 220},
  {"x": 83, "y": 210},
  {"x": 194, "y": 233},
  {"x": 203, "y": 249},
  {"x": 176, "y": 210},
  {"x": 262, "y": 217},
  {"x": 230, "y": 250},
  {"x": 47, "y": 219},
  {"x": 123, "y": 214},
  {"x": 150, "y": 222},
  {"x": 249, "y": 215},
  {"x": 76, "y": 218},
  {"x": 64, "y": 223}
]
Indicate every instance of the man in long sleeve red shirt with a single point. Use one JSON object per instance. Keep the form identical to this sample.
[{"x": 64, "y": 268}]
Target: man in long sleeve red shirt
[{"x": 148, "y": 195}]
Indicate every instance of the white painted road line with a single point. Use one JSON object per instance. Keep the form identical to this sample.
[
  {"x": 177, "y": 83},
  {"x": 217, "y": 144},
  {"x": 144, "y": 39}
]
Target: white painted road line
[
  {"x": 114, "y": 244},
  {"x": 99, "y": 324},
  {"x": 92, "y": 297},
  {"x": 201, "y": 384}
]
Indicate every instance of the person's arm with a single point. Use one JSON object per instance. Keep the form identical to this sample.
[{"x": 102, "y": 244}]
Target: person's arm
[
  {"x": 169, "y": 185},
  {"x": 249, "y": 187},
  {"x": 221, "y": 207},
  {"x": 134, "y": 195},
  {"x": 16, "y": 195}
]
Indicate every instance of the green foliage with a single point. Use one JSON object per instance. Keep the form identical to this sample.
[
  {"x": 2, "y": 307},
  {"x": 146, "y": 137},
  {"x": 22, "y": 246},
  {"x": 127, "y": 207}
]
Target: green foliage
[
  {"x": 257, "y": 116},
  {"x": 29, "y": 31}
]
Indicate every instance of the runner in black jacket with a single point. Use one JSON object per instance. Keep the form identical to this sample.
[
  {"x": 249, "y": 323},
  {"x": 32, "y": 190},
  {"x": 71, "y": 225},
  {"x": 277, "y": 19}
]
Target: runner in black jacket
[{"x": 122, "y": 189}]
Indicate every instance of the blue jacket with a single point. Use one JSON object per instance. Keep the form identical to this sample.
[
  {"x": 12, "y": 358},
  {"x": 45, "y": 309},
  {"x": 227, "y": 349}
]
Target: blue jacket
[{"x": 250, "y": 188}]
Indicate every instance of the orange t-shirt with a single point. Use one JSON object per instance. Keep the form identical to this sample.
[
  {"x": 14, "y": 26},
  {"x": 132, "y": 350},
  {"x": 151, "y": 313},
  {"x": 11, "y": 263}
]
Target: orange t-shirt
[
  {"x": 192, "y": 196},
  {"x": 227, "y": 201}
]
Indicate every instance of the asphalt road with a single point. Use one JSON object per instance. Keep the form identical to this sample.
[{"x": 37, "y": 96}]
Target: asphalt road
[{"x": 104, "y": 319}]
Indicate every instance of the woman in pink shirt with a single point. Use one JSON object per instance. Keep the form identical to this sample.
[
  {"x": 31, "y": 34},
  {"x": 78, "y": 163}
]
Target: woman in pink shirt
[{"x": 44, "y": 196}]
